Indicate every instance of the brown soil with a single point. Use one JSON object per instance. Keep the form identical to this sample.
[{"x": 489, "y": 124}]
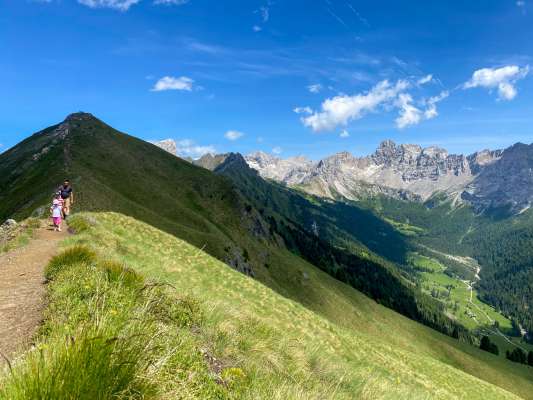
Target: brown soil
[{"x": 22, "y": 290}]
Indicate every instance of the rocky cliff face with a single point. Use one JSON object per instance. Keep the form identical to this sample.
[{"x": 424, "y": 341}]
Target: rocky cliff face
[
  {"x": 404, "y": 171},
  {"x": 485, "y": 179},
  {"x": 506, "y": 182}
]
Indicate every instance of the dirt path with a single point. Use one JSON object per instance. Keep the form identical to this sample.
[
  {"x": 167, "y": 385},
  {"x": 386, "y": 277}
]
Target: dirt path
[{"x": 22, "y": 289}]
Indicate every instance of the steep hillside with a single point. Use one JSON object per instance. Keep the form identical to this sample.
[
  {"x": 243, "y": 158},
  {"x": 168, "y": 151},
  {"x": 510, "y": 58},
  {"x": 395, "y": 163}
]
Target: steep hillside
[
  {"x": 345, "y": 225},
  {"x": 237, "y": 333},
  {"x": 112, "y": 171}
]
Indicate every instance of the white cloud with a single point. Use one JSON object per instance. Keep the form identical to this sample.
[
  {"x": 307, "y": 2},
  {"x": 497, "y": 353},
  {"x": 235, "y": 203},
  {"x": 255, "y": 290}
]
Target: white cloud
[
  {"x": 316, "y": 88},
  {"x": 303, "y": 110},
  {"x": 409, "y": 114},
  {"x": 503, "y": 79},
  {"x": 425, "y": 79},
  {"x": 257, "y": 28},
  {"x": 344, "y": 134},
  {"x": 431, "y": 103},
  {"x": 121, "y": 5},
  {"x": 277, "y": 150},
  {"x": 188, "y": 148},
  {"x": 520, "y": 3},
  {"x": 171, "y": 83},
  {"x": 233, "y": 135},
  {"x": 171, "y": 2},
  {"x": 342, "y": 109}
]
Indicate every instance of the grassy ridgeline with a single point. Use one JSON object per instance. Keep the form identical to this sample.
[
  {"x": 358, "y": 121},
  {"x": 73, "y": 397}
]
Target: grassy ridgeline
[{"x": 218, "y": 334}]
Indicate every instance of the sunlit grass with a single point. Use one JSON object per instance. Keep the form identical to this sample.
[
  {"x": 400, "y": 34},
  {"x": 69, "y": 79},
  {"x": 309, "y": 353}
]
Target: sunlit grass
[{"x": 340, "y": 345}]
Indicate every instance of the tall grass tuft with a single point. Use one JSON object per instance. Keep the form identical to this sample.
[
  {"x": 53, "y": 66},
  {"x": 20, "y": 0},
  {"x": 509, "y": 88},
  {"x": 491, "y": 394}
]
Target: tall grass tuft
[
  {"x": 108, "y": 334},
  {"x": 69, "y": 257}
]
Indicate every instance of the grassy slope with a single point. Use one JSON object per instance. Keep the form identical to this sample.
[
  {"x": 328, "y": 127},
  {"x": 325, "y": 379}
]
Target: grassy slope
[
  {"x": 339, "y": 336},
  {"x": 112, "y": 171}
]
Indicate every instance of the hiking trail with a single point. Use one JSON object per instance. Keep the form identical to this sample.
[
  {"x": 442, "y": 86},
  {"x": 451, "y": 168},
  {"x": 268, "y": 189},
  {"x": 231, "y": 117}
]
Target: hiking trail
[{"x": 22, "y": 290}]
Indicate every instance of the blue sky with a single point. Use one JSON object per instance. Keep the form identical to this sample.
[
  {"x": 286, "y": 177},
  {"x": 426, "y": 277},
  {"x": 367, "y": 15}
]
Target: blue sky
[{"x": 291, "y": 77}]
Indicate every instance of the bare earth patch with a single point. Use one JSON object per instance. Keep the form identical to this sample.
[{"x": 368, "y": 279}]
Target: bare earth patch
[{"x": 22, "y": 290}]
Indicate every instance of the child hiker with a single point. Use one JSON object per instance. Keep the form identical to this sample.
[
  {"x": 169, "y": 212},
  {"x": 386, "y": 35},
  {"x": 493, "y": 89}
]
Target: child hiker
[{"x": 57, "y": 213}]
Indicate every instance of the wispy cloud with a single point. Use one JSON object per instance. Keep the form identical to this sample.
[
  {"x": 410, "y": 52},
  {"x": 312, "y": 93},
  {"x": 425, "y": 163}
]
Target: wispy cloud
[
  {"x": 233, "y": 135},
  {"x": 188, "y": 148},
  {"x": 264, "y": 12},
  {"x": 277, "y": 150},
  {"x": 171, "y": 2},
  {"x": 170, "y": 83},
  {"x": 344, "y": 134},
  {"x": 363, "y": 20},
  {"x": 120, "y": 5},
  {"x": 303, "y": 110},
  {"x": 503, "y": 79},
  {"x": 425, "y": 79},
  {"x": 315, "y": 88},
  {"x": 431, "y": 104}
]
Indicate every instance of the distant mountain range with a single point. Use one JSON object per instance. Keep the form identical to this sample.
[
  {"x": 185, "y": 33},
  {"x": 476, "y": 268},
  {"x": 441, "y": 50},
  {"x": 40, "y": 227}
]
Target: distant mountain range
[{"x": 488, "y": 179}]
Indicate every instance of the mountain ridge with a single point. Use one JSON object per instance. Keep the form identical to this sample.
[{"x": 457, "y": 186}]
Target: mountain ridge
[
  {"x": 410, "y": 172},
  {"x": 403, "y": 171}
]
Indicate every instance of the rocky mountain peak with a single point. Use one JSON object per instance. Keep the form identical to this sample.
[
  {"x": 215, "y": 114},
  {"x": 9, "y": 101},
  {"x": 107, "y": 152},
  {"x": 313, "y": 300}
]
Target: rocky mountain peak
[
  {"x": 435, "y": 152},
  {"x": 232, "y": 160},
  {"x": 79, "y": 116},
  {"x": 168, "y": 145},
  {"x": 505, "y": 179},
  {"x": 387, "y": 144},
  {"x": 337, "y": 159},
  {"x": 262, "y": 159}
]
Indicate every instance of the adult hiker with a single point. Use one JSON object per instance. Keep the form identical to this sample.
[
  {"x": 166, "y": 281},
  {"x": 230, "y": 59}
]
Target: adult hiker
[{"x": 67, "y": 194}]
